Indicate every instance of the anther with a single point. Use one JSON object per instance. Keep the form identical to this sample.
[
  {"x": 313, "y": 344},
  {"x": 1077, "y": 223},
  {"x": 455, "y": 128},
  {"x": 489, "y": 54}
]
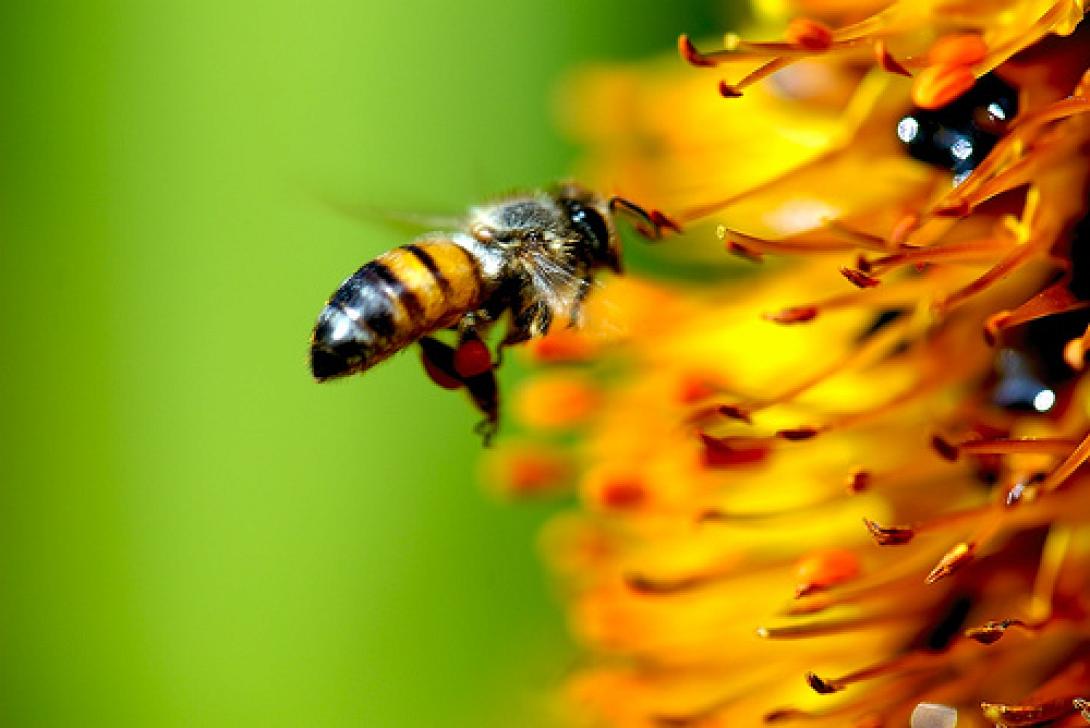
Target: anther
[
  {"x": 796, "y": 434},
  {"x": 821, "y": 686},
  {"x": 728, "y": 91},
  {"x": 794, "y": 315},
  {"x": 736, "y": 248},
  {"x": 719, "y": 454},
  {"x": 945, "y": 449},
  {"x": 951, "y": 561},
  {"x": 859, "y": 481},
  {"x": 990, "y": 632},
  {"x": 736, "y": 412},
  {"x": 889, "y": 535},
  {"x": 691, "y": 55},
  {"x": 887, "y": 61},
  {"x": 859, "y": 279}
]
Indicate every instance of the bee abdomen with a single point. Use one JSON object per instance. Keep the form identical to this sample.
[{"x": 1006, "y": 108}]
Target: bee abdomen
[{"x": 393, "y": 301}]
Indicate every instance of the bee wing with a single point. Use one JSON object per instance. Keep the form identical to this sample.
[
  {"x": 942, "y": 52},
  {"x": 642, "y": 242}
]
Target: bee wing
[
  {"x": 410, "y": 222},
  {"x": 561, "y": 288}
]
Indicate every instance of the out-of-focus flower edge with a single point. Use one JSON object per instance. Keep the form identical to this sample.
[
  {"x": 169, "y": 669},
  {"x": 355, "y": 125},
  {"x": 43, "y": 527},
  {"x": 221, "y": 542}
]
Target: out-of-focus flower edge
[{"x": 852, "y": 482}]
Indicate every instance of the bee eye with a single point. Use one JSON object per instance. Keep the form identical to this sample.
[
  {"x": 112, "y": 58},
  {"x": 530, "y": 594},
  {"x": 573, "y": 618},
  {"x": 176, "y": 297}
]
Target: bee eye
[{"x": 592, "y": 222}]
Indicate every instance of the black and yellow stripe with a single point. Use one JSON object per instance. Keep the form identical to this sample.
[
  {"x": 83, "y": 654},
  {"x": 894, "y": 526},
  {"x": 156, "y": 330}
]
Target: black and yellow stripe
[{"x": 393, "y": 301}]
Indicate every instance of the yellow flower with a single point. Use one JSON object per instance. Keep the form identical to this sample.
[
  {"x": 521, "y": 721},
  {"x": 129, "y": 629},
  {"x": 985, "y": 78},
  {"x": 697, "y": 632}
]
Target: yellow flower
[{"x": 848, "y": 489}]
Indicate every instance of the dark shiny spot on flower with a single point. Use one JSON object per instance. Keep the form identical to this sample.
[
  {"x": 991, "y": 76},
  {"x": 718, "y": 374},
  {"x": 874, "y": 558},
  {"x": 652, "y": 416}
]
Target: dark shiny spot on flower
[{"x": 959, "y": 135}]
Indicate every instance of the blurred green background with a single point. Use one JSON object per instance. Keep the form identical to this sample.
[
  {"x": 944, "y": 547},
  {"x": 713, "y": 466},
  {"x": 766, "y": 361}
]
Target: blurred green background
[{"x": 192, "y": 533}]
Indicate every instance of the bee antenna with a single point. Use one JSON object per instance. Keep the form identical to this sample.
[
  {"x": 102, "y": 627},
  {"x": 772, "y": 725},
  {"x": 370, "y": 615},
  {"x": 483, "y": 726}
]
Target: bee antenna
[{"x": 649, "y": 223}]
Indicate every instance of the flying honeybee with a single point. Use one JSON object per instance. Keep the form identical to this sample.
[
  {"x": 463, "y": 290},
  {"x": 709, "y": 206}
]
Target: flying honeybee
[{"x": 529, "y": 257}]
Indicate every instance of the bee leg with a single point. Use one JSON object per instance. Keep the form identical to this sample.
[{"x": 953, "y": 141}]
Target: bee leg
[
  {"x": 650, "y": 223},
  {"x": 438, "y": 359},
  {"x": 575, "y": 318},
  {"x": 465, "y": 366},
  {"x": 533, "y": 320},
  {"x": 474, "y": 322},
  {"x": 482, "y": 388}
]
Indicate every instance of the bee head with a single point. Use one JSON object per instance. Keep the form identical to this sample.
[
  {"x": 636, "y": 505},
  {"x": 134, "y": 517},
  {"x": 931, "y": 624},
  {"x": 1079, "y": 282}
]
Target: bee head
[{"x": 590, "y": 217}]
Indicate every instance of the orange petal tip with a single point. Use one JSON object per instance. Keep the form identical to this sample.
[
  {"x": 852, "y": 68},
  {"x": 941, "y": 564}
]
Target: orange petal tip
[
  {"x": 960, "y": 49},
  {"x": 937, "y": 86}
]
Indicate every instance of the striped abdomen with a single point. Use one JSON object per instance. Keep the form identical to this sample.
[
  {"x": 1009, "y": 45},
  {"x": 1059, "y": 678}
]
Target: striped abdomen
[{"x": 391, "y": 302}]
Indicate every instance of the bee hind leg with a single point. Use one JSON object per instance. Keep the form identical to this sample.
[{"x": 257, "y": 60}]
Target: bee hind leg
[
  {"x": 470, "y": 366},
  {"x": 438, "y": 360},
  {"x": 482, "y": 388}
]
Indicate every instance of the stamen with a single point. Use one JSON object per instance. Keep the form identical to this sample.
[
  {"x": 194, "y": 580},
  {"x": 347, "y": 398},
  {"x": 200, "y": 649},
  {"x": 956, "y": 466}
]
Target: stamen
[
  {"x": 822, "y": 628},
  {"x": 798, "y": 433},
  {"x": 886, "y": 60},
  {"x": 795, "y": 315},
  {"x": 889, "y": 535},
  {"x": 1025, "y": 445},
  {"x": 859, "y": 481},
  {"x": 902, "y": 663},
  {"x": 1030, "y": 714},
  {"x": 691, "y": 55},
  {"x": 1053, "y": 555},
  {"x": 720, "y": 453},
  {"x": 951, "y": 561},
  {"x": 990, "y": 632},
  {"x": 945, "y": 449},
  {"x": 1055, "y": 299},
  {"x": 1055, "y": 480},
  {"x": 859, "y": 279}
]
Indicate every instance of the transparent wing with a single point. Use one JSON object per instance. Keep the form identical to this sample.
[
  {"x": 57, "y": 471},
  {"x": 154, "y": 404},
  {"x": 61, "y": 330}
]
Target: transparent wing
[
  {"x": 560, "y": 287},
  {"x": 409, "y": 221}
]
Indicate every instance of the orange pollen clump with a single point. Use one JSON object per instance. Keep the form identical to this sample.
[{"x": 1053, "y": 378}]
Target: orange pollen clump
[
  {"x": 809, "y": 34},
  {"x": 472, "y": 358}
]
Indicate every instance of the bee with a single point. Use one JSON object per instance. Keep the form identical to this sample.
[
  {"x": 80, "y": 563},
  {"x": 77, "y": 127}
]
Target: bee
[{"x": 531, "y": 258}]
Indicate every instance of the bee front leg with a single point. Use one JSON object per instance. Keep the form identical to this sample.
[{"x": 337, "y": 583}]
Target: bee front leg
[
  {"x": 532, "y": 321},
  {"x": 575, "y": 318}
]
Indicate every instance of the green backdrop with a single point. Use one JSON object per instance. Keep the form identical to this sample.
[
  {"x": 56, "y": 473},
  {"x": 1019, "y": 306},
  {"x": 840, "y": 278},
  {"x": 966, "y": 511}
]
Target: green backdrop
[{"x": 192, "y": 533}]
